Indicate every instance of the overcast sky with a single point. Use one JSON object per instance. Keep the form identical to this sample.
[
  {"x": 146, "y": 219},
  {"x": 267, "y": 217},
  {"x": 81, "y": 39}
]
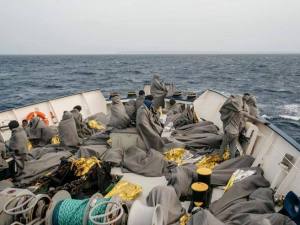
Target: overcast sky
[{"x": 138, "y": 26}]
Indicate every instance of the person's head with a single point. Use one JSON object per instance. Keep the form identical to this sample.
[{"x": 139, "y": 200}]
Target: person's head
[
  {"x": 67, "y": 115},
  {"x": 156, "y": 76},
  {"x": 149, "y": 97},
  {"x": 148, "y": 103},
  {"x": 172, "y": 102},
  {"x": 246, "y": 96},
  {"x": 78, "y": 107},
  {"x": 24, "y": 123},
  {"x": 13, "y": 124},
  {"x": 141, "y": 93}
]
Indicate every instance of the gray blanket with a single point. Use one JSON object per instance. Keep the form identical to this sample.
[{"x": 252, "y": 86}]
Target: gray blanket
[
  {"x": 201, "y": 141},
  {"x": 3, "y": 163},
  {"x": 182, "y": 119},
  {"x": 1, "y": 138},
  {"x": 199, "y": 136},
  {"x": 2, "y": 148},
  {"x": 149, "y": 129},
  {"x": 239, "y": 191},
  {"x": 204, "y": 217},
  {"x": 113, "y": 155},
  {"x": 67, "y": 130},
  {"x": 131, "y": 109},
  {"x": 99, "y": 138},
  {"x": 139, "y": 101},
  {"x": 193, "y": 125},
  {"x": 174, "y": 109},
  {"x": 248, "y": 202},
  {"x": 82, "y": 129},
  {"x": 37, "y": 153},
  {"x": 92, "y": 150},
  {"x": 102, "y": 152},
  {"x": 159, "y": 91},
  {"x": 150, "y": 163},
  {"x": 257, "y": 208},
  {"x": 167, "y": 198},
  {"x": 181, "y": 179},
  {"x": 230, "y": 113},
  {"x": 118, "y": 118},
  {"x": 198, "y": 128},
  {"x": 38, "y": 130},
  {"x": 18, "y": 141},
  {"x": 233, "y": 123},
  {"x": 222, "y": 172},
  {"x": 35, "y": 169},
  {"x": 252, "y": 106}
]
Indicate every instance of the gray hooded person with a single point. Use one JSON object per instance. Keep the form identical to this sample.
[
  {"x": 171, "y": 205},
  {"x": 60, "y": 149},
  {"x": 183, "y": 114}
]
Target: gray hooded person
[
  {"x": 40, "y": 132},
  {"x": 174, "y": 108},
  {"x": 118, "y": 118},
  {"x": 140, "y": 99},
  {"x": 82, "y": 130},
  {"x": 18, "y": 143},
  {"x": 148, "y": 127},
  {"x": 3, "y": 163},
  {"x": 234, "y": 120},
  {"x": 67, "y": 130},
  {"x": 159, "y": 91},
  {"x": 250, "y": 100}
]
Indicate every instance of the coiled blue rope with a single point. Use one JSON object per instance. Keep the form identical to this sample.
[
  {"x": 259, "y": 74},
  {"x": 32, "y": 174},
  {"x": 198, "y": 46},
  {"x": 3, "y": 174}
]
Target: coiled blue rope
[{"x": 71, "y": 211}]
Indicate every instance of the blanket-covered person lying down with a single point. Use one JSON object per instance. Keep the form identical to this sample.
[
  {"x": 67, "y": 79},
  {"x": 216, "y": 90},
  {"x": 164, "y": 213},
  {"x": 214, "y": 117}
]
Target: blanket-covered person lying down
[{"x": 201, "y": 137}]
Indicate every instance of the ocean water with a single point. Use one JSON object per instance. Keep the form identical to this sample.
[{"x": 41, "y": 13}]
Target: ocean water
[{"x": 273, "y": 79}]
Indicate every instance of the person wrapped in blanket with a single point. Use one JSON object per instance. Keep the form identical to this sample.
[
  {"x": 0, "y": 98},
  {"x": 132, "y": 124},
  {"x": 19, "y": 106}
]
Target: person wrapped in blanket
[
  {"x": 234, "y": 115},
  {"x": 159, "y": 91},
  {"x": 148, "y": 125},
  {"x": 18, "y": 144},
  {"x": 3, "y": 163},
  {"x": 82, "y": 130},
  {"x": 38, "y": 132}
]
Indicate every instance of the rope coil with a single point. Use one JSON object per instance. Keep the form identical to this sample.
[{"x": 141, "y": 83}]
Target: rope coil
[{"x": 72, "y": 211}]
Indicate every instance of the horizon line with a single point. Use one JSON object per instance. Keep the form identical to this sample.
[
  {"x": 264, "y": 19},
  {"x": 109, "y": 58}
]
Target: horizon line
[{"x": 156, "y": 53}]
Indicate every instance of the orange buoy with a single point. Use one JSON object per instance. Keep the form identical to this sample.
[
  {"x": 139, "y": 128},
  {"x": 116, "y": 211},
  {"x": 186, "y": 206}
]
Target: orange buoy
[{"x": 38, "y": 114}]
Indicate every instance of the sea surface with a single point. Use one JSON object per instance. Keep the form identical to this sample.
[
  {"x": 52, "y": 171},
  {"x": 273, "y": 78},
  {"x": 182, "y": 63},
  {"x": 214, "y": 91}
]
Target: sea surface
[{"x": 273, "y": 79}]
